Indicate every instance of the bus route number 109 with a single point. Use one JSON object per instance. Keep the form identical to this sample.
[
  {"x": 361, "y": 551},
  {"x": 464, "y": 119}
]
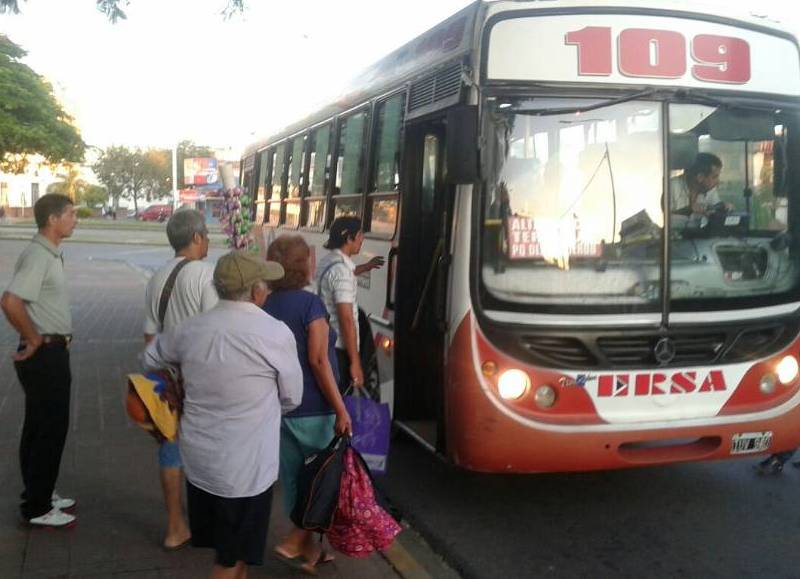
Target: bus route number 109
[{"x": 652, "y": 53}]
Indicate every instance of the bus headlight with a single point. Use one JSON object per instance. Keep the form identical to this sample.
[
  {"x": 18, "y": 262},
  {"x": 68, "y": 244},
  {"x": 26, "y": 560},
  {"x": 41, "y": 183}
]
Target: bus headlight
[
  {"x": 513, "y": 384},
  {"x": 787, "y": 369},
  {"x": 545, "y": 396}
]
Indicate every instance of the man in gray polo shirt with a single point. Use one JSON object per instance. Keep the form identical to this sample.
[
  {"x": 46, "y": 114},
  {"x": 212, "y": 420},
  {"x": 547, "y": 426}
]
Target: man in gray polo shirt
[{"x": 36, "y": 303}]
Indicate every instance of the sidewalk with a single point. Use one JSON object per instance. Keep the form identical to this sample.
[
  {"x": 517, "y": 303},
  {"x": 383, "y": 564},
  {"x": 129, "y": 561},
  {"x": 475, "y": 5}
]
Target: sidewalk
[{"x": 109, "y": 465}]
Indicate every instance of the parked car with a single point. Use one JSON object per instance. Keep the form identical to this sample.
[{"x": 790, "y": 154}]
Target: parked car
[{"x": 156, "y": 213}]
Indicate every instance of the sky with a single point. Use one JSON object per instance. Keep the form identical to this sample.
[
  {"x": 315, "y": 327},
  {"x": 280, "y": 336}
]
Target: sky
[{"x": 175, "y": 69}]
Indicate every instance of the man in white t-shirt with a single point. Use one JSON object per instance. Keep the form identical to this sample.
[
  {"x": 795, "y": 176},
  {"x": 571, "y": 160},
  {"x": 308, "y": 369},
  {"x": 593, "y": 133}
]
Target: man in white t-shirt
[
  {"x": 338, "y": 288},
  {"x": 193, "y": 292}
]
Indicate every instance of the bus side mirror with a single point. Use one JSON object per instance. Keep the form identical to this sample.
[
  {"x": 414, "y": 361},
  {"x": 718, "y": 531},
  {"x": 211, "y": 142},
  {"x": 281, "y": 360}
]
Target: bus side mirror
[{"x": 461, "y": 155}]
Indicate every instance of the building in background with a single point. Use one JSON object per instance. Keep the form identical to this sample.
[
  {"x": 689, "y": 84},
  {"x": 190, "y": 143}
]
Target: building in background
[
  {"x": 19, "y": 192},
  {"x": 203, "y": 181}
]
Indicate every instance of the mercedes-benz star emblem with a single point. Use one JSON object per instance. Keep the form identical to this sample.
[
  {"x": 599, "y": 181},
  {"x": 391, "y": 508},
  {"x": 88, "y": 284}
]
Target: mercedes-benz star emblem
[{"x": 664, "y": 351}]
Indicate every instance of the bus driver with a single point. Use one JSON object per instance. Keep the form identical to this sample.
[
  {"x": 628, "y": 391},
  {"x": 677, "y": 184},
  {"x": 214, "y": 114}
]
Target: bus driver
[{"x": 694, "y": 193}]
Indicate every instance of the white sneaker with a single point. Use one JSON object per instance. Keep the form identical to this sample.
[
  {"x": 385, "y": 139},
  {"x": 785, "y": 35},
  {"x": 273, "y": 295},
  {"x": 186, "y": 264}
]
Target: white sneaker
[
  {"x": 53, "y": 518},
  {"x": 60, "y": 502}
]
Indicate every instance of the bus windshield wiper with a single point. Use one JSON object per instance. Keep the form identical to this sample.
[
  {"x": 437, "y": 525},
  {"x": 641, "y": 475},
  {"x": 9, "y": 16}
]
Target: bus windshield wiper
[{"x": 544, "y": 112}]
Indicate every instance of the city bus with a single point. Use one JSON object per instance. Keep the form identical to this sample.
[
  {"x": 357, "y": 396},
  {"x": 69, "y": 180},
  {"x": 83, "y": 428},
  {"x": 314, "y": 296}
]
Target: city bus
[{"x": 548, "y": 301}]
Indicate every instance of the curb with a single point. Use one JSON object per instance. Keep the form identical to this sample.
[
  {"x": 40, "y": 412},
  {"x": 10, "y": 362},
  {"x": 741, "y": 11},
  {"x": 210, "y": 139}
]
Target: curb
[
  {"x": 119, "y": 226},
  {"x": 145, "y": 273},
  {"x": 18, "y": 237},
  {"x": 412, "y": 558}
]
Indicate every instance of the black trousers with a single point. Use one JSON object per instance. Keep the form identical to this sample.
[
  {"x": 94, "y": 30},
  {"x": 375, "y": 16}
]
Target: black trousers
[
  {"x": 343, "y": 358},
  {"x": 46, "y": 380},
  {"x": 235, "y": 527}
]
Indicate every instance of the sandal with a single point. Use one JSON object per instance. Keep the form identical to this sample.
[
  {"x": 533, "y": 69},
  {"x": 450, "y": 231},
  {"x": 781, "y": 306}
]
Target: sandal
[
  {"x": 324, "y": 557},
  {"x": 178, "y": 547},
  {"x": 298, "y": 562},
  {"x": 301, "y": 563}
]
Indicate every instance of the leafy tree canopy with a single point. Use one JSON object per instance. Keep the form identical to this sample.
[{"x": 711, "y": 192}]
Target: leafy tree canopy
[
  {"x": 93, "y": 195},
  {"x": 81, "y": 192},
  {"x": 112, "y": 170},
  {"x": 157, "y": 168},
  {"x": 71, "y": 185},
  {"x": 114, "y": 12},
  {"x": 31, "y": 119},
  {"x": 135, "y": 174}
]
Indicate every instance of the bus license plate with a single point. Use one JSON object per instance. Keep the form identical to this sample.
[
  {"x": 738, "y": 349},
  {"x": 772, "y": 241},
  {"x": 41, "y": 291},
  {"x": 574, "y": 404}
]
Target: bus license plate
[{"x": 750, "y": 442}]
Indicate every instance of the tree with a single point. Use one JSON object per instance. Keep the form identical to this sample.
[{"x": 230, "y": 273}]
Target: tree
[
  {"x": 134, "y": 188},
  {"x": 113, "y": 8},
  {"x": 81, "y": 192},
  {"x": 134, "y": 174},
  {"x": 158, "y": 173},
  {"x": 93, "y": 195},
  {"x": 72, "y": 185},
  {"x": 113, "y": 169},
  {"x": 31, "y": 119}
]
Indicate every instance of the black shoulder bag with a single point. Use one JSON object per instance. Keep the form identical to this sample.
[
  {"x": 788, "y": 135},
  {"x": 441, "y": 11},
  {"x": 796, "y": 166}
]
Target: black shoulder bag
[
  {"x": 173, "y": 391},
  {"x": 166, "y": 293},
  {"x": 318, "y": 487}
]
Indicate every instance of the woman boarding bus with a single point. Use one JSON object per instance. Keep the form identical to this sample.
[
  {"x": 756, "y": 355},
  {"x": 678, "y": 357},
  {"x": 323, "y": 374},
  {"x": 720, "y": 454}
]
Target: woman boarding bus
[{"x": 549, "y": 302}]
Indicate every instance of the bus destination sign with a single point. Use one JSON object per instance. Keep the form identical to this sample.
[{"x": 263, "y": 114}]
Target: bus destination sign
[{"x": 633, "y": 49}]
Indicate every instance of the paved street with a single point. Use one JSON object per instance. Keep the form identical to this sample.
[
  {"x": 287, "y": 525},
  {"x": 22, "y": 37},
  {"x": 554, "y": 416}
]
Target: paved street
[
  {"x": 715, "y": 520},
  {"x": 109, "y": 464}
]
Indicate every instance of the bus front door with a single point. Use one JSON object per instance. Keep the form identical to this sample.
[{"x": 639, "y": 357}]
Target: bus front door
[{"x": 421, "y": 275}]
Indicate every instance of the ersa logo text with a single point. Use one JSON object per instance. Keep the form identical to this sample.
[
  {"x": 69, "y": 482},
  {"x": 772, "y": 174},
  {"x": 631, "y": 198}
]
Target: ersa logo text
[{"x": 653, "y": 383}]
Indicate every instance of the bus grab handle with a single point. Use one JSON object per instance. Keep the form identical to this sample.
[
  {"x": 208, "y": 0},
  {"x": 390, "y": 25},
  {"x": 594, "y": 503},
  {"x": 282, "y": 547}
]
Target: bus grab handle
[{"x": 390, "y": 279}]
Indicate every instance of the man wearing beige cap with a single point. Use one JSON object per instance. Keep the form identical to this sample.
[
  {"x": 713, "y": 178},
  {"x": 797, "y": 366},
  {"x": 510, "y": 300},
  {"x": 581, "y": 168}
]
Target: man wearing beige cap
[{"x": 240, "y": 371}]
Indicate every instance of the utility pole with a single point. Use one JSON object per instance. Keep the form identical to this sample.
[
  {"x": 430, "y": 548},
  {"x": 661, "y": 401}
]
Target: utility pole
[{"x": 175, "y": 176}]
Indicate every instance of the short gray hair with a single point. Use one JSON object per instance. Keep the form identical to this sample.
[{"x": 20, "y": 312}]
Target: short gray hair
[
  {"x": 182, "y": 226},
  {"x": 239, "y": 295}
]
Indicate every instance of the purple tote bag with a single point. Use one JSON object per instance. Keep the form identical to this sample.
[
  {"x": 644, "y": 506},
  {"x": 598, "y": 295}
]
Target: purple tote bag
[{"x": 372, "y": 424}]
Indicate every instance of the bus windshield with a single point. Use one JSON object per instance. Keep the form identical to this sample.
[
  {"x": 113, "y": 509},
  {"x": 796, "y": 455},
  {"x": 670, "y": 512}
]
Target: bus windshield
[{"x": 574, "y": 216}]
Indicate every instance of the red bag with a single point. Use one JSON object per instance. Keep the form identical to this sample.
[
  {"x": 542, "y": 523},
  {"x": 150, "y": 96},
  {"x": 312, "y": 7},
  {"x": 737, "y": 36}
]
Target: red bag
[{"x": 360, "y": 526}]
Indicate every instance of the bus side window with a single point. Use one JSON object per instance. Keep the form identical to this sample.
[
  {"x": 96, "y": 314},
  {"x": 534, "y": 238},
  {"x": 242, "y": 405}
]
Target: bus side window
[
  {"x": 348, "y": 182},
  {"x": 294, "y": 182},
  {"x": 384, "y": 185},
  {"x": 278, "y": 174},
  {"x": 318, "y": 176},
  {"x": 265, "y": 166}
]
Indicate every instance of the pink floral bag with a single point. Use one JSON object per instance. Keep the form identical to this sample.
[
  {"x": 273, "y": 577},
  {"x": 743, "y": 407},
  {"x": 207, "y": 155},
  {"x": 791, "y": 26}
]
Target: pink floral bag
[{"x": 360, "y": 526}]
